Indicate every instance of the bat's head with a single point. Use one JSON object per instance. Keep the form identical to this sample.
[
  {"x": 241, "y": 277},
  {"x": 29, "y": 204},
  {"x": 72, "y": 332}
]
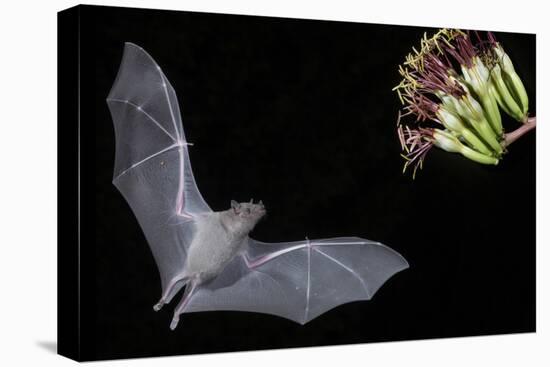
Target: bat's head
[{"x": 247, "y": 214}]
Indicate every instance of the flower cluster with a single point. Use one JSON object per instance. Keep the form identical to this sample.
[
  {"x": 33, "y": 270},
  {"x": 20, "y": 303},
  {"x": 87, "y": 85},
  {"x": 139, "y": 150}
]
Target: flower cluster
[{"x": 451, "y": 92}]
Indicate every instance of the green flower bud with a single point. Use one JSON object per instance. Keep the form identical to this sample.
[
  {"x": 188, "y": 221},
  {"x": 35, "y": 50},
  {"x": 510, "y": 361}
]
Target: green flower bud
[
  {"x": 453, "y": 122},
  {"x": 472, "y": 112},
  {"x": 507, "y": 101},
  {"x": 502, "y": 104},
  {"x": 513, "y": 82},
  {"x": 477, "y": 81},
  {"x": 446, "y": 141},
  {"x": 504, "y": 60}
]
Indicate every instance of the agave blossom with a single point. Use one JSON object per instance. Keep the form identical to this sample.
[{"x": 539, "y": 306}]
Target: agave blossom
[
  {"x": 417, "y": 142},
  {"x": 458, "y": 84}
]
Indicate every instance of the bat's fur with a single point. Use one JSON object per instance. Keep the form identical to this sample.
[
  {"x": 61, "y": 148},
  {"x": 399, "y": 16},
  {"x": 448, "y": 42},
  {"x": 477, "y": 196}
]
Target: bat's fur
[{"x": 220, "y": 236}]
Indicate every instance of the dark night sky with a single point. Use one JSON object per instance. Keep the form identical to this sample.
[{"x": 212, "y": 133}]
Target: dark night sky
[{"x": 300, "y": 113}]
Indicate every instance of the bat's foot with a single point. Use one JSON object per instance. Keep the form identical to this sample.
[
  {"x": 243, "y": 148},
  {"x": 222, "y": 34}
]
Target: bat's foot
[
  {"x": 184, "y": 300},
  {"x": 158, "y": 306},
  {"x": 174, "y": 322}
]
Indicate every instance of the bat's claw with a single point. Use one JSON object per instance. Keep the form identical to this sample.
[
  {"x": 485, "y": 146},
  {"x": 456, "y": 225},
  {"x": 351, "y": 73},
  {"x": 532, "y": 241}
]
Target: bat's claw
[{"x": 158, "y": 306}]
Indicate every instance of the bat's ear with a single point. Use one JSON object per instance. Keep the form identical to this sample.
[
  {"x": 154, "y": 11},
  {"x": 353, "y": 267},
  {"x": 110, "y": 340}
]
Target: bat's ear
[{"x": 235, "y": 206}]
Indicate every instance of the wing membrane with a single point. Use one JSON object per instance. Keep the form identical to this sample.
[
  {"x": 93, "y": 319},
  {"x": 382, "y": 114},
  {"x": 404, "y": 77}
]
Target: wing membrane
[
  {"x": 152, "y": 166},
  {"x": 300, "y": 280}
]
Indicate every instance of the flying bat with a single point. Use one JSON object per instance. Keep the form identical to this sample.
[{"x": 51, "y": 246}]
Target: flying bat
[{"x": 208, "y": 253}]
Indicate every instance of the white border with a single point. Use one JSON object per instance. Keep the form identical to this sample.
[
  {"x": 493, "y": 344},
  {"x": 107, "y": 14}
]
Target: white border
[{"x": 28, "y": 182}]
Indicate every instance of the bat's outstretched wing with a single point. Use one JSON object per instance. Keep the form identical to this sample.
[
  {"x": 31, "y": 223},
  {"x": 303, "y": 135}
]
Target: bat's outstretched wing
[
  {"x": 299, "y": 280},
  {"x": 152, "y": 168},
  {"x": 296, "y": 280}
]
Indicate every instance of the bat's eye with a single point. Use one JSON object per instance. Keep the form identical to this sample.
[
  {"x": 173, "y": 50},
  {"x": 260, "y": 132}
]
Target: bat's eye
[{"x": 247, "y": 210}]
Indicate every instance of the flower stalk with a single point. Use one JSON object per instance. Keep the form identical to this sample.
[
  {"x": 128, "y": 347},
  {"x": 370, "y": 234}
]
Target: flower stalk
[
  {"x": 459, "y": 81},
  {"x": 511, "y": 137}
]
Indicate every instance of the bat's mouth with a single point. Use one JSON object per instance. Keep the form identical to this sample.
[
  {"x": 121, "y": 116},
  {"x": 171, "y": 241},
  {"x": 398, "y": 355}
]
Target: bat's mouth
[
  {"x": 261, "y": 208},
  {"x": 263, "y": 214}
]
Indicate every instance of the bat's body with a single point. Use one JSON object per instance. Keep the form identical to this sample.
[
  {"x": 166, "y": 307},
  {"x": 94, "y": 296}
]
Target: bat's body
[
  {"x": 220, "y": 236},
  {"x": 212, "y": 248},
  {"x": 210, "y": 253}
]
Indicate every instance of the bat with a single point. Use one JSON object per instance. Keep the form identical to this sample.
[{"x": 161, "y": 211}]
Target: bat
[{"x": 209, "y": 254}]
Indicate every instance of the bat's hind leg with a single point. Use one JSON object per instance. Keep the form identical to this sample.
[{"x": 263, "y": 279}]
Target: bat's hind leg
[
  {"x": 189, "y": 289},
  {"x": 171, "y": 289}
]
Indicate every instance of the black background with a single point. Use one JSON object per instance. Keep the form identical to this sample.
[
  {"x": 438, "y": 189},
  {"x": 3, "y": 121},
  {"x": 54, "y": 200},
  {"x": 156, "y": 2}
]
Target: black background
[{"x": 300, "y": 113}]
